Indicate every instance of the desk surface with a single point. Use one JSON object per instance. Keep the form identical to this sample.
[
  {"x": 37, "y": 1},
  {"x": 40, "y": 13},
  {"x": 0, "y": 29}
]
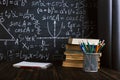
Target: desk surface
[{"x": 8, "y": 72}]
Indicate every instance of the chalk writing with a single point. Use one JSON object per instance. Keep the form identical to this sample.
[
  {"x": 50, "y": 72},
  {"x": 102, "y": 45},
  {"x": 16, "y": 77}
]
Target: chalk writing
[
  {"x": 42, "y": 3},
  {"x": 41, "y": 28},
  {"x": 23, "y": 56},
  {"x": 13, "y": 2}
]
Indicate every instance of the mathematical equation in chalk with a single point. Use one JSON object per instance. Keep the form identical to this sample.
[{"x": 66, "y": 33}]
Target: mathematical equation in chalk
[
  {"x": 13, "y": 2},
  {"x": 42, "y": 25},
  {"x": 23, "y": 56}
]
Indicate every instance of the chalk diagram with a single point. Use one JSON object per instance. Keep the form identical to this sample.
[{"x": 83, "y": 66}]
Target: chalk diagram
[
  {"x": 5, "y": 35},
  {"x": 55, "y": 34}
]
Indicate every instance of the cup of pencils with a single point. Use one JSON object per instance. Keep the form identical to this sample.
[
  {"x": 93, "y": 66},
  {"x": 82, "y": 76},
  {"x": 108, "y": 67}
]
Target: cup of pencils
[{"x": 92, "y": 54}]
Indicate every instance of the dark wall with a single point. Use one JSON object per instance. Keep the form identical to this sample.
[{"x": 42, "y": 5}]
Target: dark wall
[
  {"x": 39, "y": 29},
  {"x": 105, "y": 30}
]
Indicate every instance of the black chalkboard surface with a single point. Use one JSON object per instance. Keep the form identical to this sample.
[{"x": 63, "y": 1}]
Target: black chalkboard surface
[{"x": 39, "y": 29}]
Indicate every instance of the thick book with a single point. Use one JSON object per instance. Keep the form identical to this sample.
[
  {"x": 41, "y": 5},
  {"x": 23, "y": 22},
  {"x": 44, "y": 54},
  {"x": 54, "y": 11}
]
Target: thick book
[
  {"x": 65, "y": 64},
  {"x": 73, "y": 47},
  {"x": 77, "y": 41},
  {"x": 75, "y": 64},
  {"x": 73, "y": 52},
  {"x": 74, "y": 61},
  {"x": 26, "y": 64},
  {"x": 73, "y": 55}
]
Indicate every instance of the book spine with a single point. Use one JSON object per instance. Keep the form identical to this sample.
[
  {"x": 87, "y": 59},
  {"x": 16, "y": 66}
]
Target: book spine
[{"x": 73, "y": 47}]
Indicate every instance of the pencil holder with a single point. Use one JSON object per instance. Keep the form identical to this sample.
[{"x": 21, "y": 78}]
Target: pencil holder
[{"x": 91, "y": 62}]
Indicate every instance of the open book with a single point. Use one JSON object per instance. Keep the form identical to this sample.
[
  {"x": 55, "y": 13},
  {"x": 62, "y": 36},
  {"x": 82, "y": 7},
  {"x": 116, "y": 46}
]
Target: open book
[{"x": 25, "y": 64}]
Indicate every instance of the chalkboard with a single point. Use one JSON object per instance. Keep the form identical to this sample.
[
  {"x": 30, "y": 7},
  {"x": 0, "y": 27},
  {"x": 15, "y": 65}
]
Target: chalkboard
[{"x": 39, "y": 29}]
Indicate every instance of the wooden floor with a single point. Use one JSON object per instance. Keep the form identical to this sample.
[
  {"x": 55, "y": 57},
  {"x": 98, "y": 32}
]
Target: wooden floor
[{"x": 7, "y": 72}]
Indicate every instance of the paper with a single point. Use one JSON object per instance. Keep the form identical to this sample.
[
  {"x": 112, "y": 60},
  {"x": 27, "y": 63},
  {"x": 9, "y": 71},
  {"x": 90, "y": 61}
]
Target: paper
[
  {"x": 77, "y": 41},
  {"x": 32, "y": 64}
]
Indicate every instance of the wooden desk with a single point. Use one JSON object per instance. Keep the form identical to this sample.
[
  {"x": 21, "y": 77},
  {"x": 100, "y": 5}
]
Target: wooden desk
[
  {"x": 36, "y": 73},
  {"x": 8, "y": 72}
]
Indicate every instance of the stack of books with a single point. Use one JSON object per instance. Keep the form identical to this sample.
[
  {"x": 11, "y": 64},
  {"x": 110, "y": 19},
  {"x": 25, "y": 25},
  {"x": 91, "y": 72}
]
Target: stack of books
[{"x": 74, "y": 54}]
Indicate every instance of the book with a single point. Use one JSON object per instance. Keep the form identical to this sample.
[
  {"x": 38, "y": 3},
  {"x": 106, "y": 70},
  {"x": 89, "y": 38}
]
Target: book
[
  {"x": 75, "y": 65},
  {"x": 73, "y": 52},
  {"x": 26, "y": 64},
  {"x": 74, "y": 61},
  {"x": 73, "y": 47},
  {"x": 65, "y": 64},
  {"x": 73, "y": 55},
  {"x": 77, "y": 41},
  {"x": 77, "y": 57}
]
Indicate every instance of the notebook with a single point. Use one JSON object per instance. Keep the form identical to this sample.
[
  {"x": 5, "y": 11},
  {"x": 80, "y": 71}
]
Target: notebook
[{"x": 26, "y": 64}]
